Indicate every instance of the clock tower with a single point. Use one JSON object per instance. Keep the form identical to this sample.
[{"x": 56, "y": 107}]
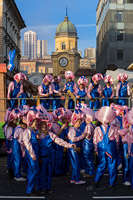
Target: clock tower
[{"x": 66, "y": 56}]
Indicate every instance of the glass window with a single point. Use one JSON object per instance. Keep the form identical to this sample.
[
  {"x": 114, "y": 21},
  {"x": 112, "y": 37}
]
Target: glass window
[
  {"x": 119, "y": 16},
  {"x": 112, "y": 1},
  {"x": 120, "y": 1},
  {"x": 63, "y": 45},
  {"x": 27, "y": 68},
  {"x": 120, "y": 35},
  {"x": 119, "y": 54},
  {"x": 128, "y": 1}
]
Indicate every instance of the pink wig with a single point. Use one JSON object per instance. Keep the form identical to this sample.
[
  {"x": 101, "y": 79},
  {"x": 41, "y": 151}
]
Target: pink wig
[
  {"x": 89, "y": 114},
  {"x": 15, "y": 114},
  {"x": 77, "y": 114},
  {"x": 122, "y": 77},
  {"x": 31, "y": 116},
  {"x": 69, "y": 74},
  {"x": 81, "y": 106},
  {"x": 105, "y": 115},
  {"x": 83, "y": 80},
  {"x": 24, "y": 109},
  {"x": 130, "y": 116},
  {"x": 97, "y": 77},
  {"x": 8, "y": 112},
  {"x": 125, "y": 122},
  {"x": 47, "y": 78},
  {"x": 119, "y": 109},
  {"x": 43, "y": 114},
  {"x": 20, "y": 77},
  {"x": 108, "y": 79},
  {"x": 66, "y": 114}
]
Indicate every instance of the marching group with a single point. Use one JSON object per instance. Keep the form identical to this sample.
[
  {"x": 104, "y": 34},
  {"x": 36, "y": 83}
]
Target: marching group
[{"x": 40, "y": 143}]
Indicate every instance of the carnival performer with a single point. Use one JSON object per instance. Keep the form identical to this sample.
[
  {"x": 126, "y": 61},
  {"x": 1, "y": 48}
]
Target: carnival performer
[
  {"x": 45, "y": 90},
  {"x": 88, "y": 147},
  {"x": 106, "y": 141},
  {"x": 63, "y": 116},
  {"x": 15, "y": 90},
  {"x": 95, "y": 91},
  {"x": 74, "y": 137},
  {"x": 32, "y": 151},
  {"x": 46, "y": 153},
  {"x": 56, "y": 103},
  {"x": 108, "y": 90},
  {"x": 123, "y": 89},
  {"x": 82, "y": 91},
  {"x": 70, "y": 90}
]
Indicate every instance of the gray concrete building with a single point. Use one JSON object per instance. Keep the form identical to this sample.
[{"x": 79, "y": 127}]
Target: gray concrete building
[{"x": 114, "y": 34}]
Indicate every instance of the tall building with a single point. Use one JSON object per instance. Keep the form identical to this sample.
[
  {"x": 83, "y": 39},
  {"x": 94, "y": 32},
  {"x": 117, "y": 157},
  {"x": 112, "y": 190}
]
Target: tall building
[
  {"x": 90, "y": 53},
  {"x": 41, "y": 48},
  {"x": 30, "y": 44},
  {"x": 66, "y": 56},
  {"x": 114, "y": 34}
]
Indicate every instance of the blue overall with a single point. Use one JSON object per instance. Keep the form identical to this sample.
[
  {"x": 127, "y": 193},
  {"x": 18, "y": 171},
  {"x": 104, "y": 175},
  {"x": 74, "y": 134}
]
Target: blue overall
[
  {"x": 94, "y": 93},
  {"x": 88, "y": 151},
  {"x": 56, "y": 99},
  {"x": 33, "y": 169},
  {"x": 46, "y": 153},
  {"x": 82, "y": 94},
  {"x": 75, "y": 158},
  {"x": 131, "y": 166},
  {"x": 17, "y": 156},
  {"x": 69, "y": 86},
  {"x": 45, "y": 102},
  {"x": 58, "y": 156},
  {"x": 82, "y": 163},
  {"x": 107, "y": 158},
  {"x": 122, "y": 93},
  {"x": 125, "y": 163},
  {"x": 107, "y": 92},
  {"x": 120, "y": 153},
  {"x": 15, "y": 93}
]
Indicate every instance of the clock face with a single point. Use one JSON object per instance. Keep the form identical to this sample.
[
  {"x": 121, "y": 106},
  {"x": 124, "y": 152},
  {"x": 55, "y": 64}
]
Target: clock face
[{"x": 63, "y": 62}]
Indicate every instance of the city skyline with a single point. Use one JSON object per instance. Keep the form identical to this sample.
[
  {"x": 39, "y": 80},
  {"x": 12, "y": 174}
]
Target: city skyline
[{"x": 45, "y": 21}]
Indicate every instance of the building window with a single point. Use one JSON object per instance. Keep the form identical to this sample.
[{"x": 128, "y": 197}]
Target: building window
[
  {"x": 31, "y": 70},
  {"x": 27, "y": 68},
  {"x": 128, "y": 1},
  {"x": 63, "y": 45},
  {"x": 120, "y": 35},
  {"x": 41, "y": 70},
  {"x": 119, "y": 16},
  {"x": 120, "y": 54},
  {"x": 22, "y": 67},
  {"x": 112, "y": 1},
  {"x": 120, "y": 1}
]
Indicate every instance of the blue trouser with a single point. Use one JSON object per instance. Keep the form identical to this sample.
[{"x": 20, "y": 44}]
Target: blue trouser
[
  {"x": 17, "y": 158},
  {"x": 9, "y": 156},
  {"x": 131, "y": 170},
  {"x": 74, "y": 158},
  {"x": 67, "y": 162},
  {"x": 125, "y": 164},
  {"x": 56, "y": 102},
  {"x": 120, "y": 153},
  {"x": 46, "y": 173},
  {"x": 58, "y": 160},
  {"x": 105, "y": 102},
  {"x": 121, "y": 102},
  {"x": 71, "y": 104},
  {"x": 24, "y": 165},
  {"x": 45, "y": 103},
  {"x": 32, "y": 172},
  {"x": 89, "y": 157},
  {"x": 105, "y": 161},
  {"x": 13, "y": 103},
  {"x": 94, "y": 104}
]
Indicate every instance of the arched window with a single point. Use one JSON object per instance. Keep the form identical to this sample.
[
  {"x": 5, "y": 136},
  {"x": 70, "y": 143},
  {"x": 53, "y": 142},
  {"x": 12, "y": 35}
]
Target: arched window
[{"x": 63, "y": 45}]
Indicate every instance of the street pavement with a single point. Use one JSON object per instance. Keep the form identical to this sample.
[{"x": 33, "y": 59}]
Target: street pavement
[{"x": 62, "y": 189}]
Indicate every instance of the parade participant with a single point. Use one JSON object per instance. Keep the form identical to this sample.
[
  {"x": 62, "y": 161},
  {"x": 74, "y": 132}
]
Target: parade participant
[
  {"x": 74, "y": 137},
  {"x": 82, "y": 91},
  {"x": 63, "y": 116},
  {"x": 88, "y": 147},
  {"x": 70, "y": 90},
  {"x": 56, "y": 103},
  {"x": 108, "y": 90},
  {"x": 94, "y": 91},
  {"x": 46, "y": 153},
  {"x": 123, "y": 89},
  {"x": 32, "y": 151},
  {"x": 15, "y": 90},
  {"x": 105, "y": 143},
  {"x": 45, "y": 90}
]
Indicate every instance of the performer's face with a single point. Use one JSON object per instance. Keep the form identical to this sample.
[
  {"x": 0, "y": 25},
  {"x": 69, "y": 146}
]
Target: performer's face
[
  {"x": 15, "y": 121},
  {"x": 78, "y": 123},
  {"x": 47, "y": 83},
  {"x": 82, "y": 86},
  {"x": 69, "y": 79},
  {"x": 18, "y": 81},
  {"x": 24, "y": 126},
  {"x": 43, "y": 126},
  {"x": 95, "y": 82},
  {"x": 64, "y": 120}
]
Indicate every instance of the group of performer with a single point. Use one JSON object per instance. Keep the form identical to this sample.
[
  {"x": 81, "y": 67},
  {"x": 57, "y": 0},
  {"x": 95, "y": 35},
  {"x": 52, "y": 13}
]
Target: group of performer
[{"x": 40, "y": 143}]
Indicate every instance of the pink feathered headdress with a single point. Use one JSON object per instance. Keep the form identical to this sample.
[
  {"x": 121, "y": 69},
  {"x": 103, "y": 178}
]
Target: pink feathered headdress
[
  {"x": 8, "y": 112},
  {"x": 97, "y": 77},
  {"x": 69, "y": 74},
  {"x": 77, "y": 114},
  {"x": 20, "y": 77},
  {"x": 47, "y": 78},
  {"x": 89, "y": 114},
  {"x": 108, "y": 79},
  {"x": 105, "y": 115},
  {"x": 15, "y": 114},
  {"x": 130, "y": 116},
  {"x": 83, "y": 80},
  {"x": 118, "y": 108},
  {"x": 31, "y": 116},
  {"x": 122, "y": 77}
]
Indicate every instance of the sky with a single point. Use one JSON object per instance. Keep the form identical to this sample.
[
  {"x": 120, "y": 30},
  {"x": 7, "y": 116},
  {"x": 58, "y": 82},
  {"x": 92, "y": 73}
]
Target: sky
[{"x": 43, "y": 17}]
